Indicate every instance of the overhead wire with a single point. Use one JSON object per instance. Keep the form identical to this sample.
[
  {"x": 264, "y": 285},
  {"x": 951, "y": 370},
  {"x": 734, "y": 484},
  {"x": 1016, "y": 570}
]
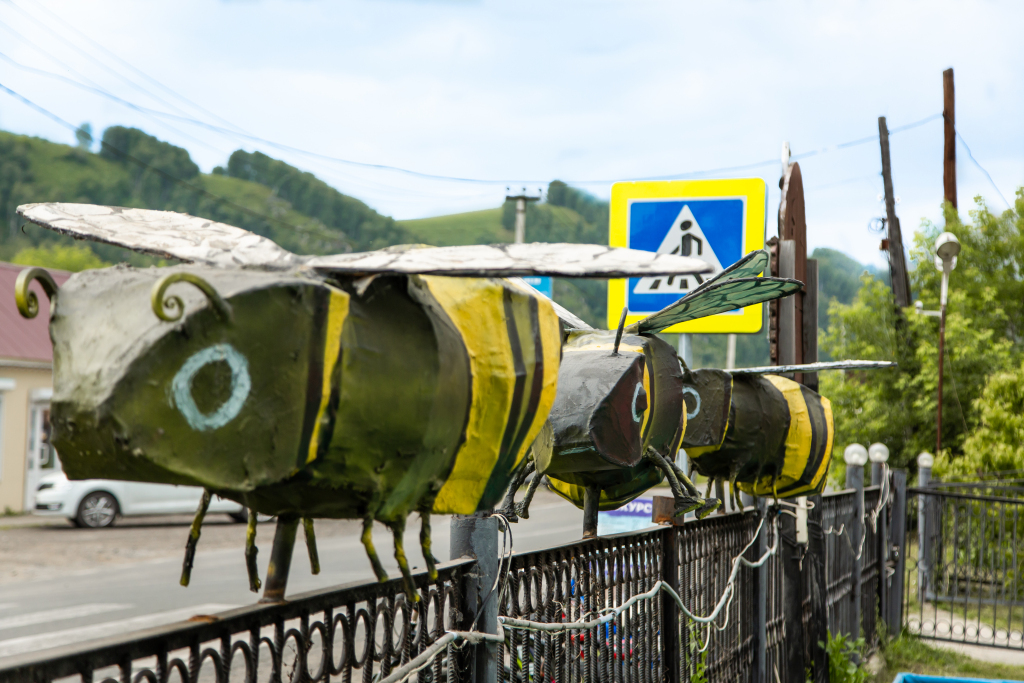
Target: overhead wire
[
  {"x": 180, "y": 181},
  {"x": 982, "y": 169},
  {"x": 127, "y": 64},
  {"x": 237, "y": 133},
  {"x": 92, "y": 86}
]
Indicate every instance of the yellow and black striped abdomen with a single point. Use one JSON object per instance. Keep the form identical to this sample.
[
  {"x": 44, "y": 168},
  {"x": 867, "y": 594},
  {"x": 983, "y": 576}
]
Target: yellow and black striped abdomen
[
  {"x": 513, "y": 341},
  {"x": 798, "y": 465}
]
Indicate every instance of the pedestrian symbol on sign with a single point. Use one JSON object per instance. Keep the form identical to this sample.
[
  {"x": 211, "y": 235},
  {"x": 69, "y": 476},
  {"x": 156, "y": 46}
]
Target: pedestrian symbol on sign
[{"x": 684, "y": 238}]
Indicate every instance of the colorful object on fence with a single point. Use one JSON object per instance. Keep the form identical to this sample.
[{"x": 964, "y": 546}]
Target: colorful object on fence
[
  {"x": 359, "y": 386},
  {"x": 716, "y": 221},
  {"x": 766, "y": 434},
  {"x": 633, "y": 516}
]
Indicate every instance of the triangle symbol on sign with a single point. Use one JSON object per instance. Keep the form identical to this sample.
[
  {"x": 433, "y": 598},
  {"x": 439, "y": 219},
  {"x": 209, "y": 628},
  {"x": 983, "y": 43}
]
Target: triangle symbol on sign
[{"x": 684, "y": 238}]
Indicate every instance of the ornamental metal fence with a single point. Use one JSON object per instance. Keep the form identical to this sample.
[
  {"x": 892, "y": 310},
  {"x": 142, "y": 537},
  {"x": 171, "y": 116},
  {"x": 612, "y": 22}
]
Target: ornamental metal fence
[
  {"x": 965, "y": 564},
  {"x": 749, "y": 600}
]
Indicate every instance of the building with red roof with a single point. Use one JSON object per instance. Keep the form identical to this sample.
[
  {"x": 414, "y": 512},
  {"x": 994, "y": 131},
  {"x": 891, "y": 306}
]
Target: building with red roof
[{"x": 26, "y": 385}]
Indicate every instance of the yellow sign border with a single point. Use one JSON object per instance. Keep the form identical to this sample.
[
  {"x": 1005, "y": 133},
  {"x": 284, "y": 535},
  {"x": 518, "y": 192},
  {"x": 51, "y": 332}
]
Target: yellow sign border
[{"x": 754, "y": 190}]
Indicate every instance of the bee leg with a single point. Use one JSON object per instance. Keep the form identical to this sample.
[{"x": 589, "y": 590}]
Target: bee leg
[
  {"x": 685, "y": 500},
  {"x": 734, "y": 490},
  {"x": 428, "y": 556},
  {"x": 193, "y": 538},
  {"x": 398, "y": 531},
  {"x": 523, "y": 507},
  {"x": 280, "y": 558},
  {"x": 508, "y": 508},
  {"x": 250, "y": 552},
  {"x": 314, "y": 557},
  {"x": 371, "y": 552},
  {"x": 711, "y": 482},
  {"x": 708, "y": 505}
]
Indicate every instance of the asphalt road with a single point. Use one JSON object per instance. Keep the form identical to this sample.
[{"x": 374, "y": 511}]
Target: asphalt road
[{"x": 60, "y": 585}]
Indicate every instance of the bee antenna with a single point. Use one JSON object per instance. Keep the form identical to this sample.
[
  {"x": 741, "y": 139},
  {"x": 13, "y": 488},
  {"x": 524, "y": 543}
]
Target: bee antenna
[{"x": 618, "y": 332}]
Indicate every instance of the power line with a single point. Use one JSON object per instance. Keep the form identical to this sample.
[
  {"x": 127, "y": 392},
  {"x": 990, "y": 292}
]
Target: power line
[
  {"x": 982, "y": 169},
  {"x": 94, "y": 87},
  {"x": 127, "y": 64},
  {"x": 174, "y": 179}
]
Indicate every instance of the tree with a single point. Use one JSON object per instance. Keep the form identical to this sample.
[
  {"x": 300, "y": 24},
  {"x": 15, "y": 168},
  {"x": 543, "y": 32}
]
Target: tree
[
  {"x": 84, "y": 136},
  {"x": 983, "y": 339}
]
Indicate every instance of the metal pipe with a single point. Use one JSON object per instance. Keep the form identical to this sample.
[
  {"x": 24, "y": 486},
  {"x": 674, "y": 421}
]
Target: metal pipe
[
  {"x": 942, "y": 350},
  {"x": 591, "y": 499},
  {"x": 280, "y": 558}
]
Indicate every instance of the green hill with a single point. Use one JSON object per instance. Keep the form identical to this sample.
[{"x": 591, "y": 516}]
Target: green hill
[
  {"x": 138, "y": 170},
  {"x": 474, "y": 227},
  {"x": 306, "y": 215}
]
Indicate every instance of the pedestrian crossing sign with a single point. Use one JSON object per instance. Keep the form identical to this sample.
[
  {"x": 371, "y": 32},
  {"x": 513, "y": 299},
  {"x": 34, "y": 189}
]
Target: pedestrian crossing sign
[{"x": 717, "y": 221}]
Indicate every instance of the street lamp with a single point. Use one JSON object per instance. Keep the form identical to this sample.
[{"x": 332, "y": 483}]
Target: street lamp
[{"x": 947, "y": 246}]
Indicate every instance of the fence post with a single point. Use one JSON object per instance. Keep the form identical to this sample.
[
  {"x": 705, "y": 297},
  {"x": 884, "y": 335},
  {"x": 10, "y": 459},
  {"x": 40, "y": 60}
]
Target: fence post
[
  {"x": 899, "y": 535},
  {"x": 818, "y": 585},
  {"x": 761, "y": 599},
  {"x": 476, "y": 536},
  {"x": 670, "y": 634},
  {"x": 791, "y": 555},
  {"x": 856, "y": 456},
  {"x": 924, "y": 522},
  {"x": 878, "y": 454}
]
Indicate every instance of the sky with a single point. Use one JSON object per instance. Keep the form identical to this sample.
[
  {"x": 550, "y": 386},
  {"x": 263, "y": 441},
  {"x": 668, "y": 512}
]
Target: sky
[{"x": 490, "y": 95}]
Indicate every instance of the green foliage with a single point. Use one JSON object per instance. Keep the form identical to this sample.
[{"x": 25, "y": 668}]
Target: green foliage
[
  {"x": 910, "y": 654},
  {"x": 983, "y": 338},
  {"x": 83, "y": 136},
  {"x": 698, "y": 658},
  {"x": 35, "y": 170},
  {"x": 998, "y": 443},
  {"x": 843, "y": 655},
  {"x": 70, "y": 257},
  {"x": 364, "y": 228},
  {"x": 473, "y": 227}
]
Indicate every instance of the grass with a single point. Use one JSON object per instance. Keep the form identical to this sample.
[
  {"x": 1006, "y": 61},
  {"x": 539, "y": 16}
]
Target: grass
[
  {"x": 474, "y": 227},
  {"x": 912, "y": 655}
]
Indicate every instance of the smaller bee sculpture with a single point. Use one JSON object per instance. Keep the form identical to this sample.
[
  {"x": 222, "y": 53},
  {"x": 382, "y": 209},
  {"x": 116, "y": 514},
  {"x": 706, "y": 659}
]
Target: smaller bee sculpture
[{"x": 626, "y": 404}]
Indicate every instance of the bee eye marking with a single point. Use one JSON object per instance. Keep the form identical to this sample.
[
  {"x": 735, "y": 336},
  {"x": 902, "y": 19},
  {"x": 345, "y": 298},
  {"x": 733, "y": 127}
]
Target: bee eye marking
[
  {"x": 643, "y": 402},
  {"x": 696, "y": 398},
  {"x": 241, "y": 383}
]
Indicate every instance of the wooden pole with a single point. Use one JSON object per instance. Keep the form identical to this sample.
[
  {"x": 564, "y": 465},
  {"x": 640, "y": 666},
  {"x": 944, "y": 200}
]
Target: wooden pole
[
  {"x": 949, "y": 130},
  {"x": 897, "y": 262}
]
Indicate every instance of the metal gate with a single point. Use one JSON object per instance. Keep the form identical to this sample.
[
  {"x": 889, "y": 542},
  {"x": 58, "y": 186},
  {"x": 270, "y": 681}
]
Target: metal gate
[{"x": 965, "y": 558}]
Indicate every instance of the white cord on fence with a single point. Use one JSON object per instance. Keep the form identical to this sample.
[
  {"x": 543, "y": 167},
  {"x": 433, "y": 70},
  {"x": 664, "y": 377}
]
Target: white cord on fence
[{"x": 424, "y": 659}]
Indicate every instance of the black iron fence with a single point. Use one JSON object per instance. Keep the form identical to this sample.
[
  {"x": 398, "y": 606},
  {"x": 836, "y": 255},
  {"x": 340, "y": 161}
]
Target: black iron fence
[
  {"x": 768, "y": 616},
  {"x": 350, "y": 633},
  {"x": 965, "y": 564}
]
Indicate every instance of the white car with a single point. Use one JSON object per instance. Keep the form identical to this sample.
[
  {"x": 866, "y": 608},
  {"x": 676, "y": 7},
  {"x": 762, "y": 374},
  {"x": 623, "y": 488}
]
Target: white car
[{"x": 98, "y": 502}]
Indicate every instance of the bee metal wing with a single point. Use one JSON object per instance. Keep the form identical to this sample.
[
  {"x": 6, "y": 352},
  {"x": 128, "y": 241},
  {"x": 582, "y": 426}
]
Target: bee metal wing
[
  {"x": 163, "y": 233},
  {"x": 511, "y": 260},
  {"x": 816, "y": 367}
]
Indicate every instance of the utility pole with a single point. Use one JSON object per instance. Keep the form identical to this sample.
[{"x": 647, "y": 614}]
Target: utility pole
[
  {"x": 521, "y": 200},
  {"x": 949, "y": 130},
  {"x": 897, "y": 262}
]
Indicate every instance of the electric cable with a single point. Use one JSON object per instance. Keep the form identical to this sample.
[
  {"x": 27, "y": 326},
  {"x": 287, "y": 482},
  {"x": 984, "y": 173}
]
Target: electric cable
[
  {"x": 982, "y": 169},
  {"x": 164, "y": 174}
]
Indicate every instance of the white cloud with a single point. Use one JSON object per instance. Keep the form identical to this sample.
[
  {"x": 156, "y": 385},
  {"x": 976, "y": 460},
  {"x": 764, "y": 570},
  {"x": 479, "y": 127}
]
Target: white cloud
[{"x": 573, "y": 90}]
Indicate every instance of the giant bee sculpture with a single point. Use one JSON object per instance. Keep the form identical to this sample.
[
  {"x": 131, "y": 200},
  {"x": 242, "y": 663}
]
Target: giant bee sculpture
[{"x": 365, "y": 386}]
